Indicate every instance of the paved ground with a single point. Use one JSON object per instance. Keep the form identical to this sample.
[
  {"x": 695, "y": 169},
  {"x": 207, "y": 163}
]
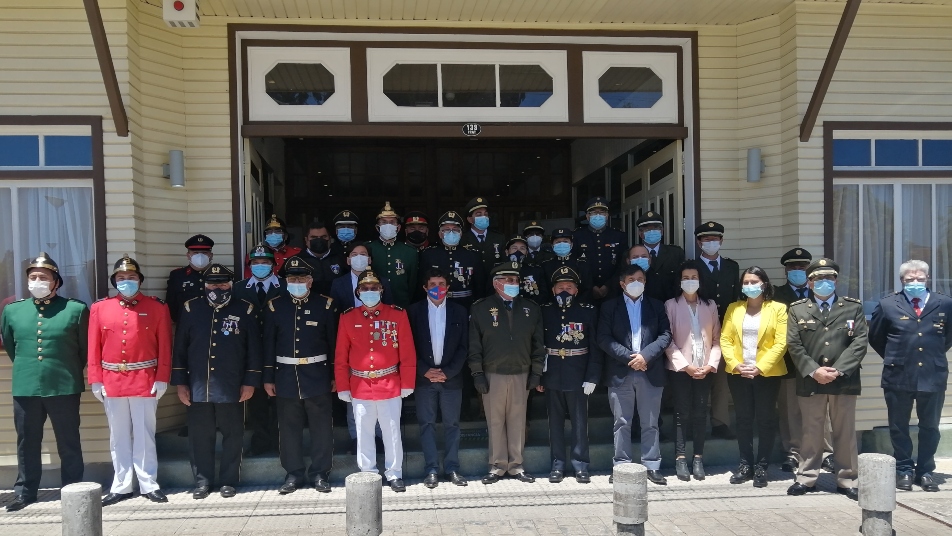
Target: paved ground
[{"x": 711, "y": 507}]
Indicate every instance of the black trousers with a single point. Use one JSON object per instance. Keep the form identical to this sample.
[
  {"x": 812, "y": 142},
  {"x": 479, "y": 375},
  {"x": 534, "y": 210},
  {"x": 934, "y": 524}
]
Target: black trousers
[
  {"x": 293, "y": 414},
  {"x": 575, "y": 404},
  {"x": 928, "y": 410},
  {"x": 29, "y": 417},
  {"x": 755, "y": 401},
  {"x": 203, "y": 418},
  {"x": 262, "y": 420},
  {"x": 692, "y": 401}
]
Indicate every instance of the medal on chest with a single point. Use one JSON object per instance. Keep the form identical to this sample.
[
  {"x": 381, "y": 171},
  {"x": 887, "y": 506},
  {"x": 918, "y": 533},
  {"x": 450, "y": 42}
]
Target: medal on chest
[
  {"x": 571, "y": 332},
  {"x": 495, "y": 314},
  {"x": 335, "y": 268},
  {"x": 230, "y": 325},
  {"x": 496, "y": 249},
  {"x": 530, "y": 286},
  {"x": 398, "y": 265},
  {"x": 850, "y": 324}
]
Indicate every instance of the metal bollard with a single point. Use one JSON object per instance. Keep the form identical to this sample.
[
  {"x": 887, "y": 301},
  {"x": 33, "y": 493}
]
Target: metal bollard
[
  {"x": 631, "y": 498},
  {"x": 82, "y": 509},
  {"x": 364, "y": 504},
  {"x": 877, "y": 493}
]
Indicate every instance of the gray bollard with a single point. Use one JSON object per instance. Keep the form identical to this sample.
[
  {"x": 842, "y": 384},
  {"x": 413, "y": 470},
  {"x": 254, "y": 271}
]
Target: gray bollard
[
  {"x": 364, "y": 504},
  {"x": 631, "y": 498},
  {"x": 82, "y": 509},
  {"x": 877, "y": 493}
]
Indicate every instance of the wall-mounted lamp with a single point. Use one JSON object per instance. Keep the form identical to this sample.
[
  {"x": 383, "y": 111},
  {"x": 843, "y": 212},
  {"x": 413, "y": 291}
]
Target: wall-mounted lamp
[
  {"x": 175, "y": 169},
  {"x": 755, "y": 165}
]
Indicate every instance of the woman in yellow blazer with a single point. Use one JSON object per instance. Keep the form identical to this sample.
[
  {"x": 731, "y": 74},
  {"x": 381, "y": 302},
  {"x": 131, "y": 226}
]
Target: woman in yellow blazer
[{"x": 753, "y": 341}]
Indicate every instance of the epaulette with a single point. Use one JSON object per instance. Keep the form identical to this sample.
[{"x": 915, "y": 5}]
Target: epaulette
[
  {"x": 187, "y": 308},
  {"x": 251, "y": 306},
  {"x": 397, "y": 307},
  {"x": 854, "y": 300},
  {"x": 349, "y": 309},
  {"x": 24, "y": 299},
  {"x": 97, "y": 301},
  {"x": 158, "y": 299},
  {"x": 587, "y": 305},
  {"x": 270, "y": 304},
  {"x": 330, "y": 301},
  {"x": 547, "y": 304},
  {"x": 467, "y": 246},
  {"x": 481, "y": 300},
  {"x": 804, "y": 300}
]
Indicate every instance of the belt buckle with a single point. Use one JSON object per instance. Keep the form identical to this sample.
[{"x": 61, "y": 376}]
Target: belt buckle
[
  {"x": 123, "y": 367},
  {"x": 302, "y": 361},
  {"x": 562, "y": 352},
  {"x": 372, "y": 374}
]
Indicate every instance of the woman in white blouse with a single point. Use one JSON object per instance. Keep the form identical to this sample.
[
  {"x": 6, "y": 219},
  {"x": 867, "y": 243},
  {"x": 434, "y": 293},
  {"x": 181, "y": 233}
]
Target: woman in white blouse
[{"x": 692, "y": 357}]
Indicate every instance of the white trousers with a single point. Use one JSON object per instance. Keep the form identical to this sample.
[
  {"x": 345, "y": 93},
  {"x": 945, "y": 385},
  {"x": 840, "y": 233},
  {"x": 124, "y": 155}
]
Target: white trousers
[
  {"x": 367, "y": 413},
  {"x": 132, "y": 442}
]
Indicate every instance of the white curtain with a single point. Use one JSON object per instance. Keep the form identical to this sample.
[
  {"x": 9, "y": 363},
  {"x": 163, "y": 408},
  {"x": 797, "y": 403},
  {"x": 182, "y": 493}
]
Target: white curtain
[
  {"x": 846, "y": 238},
  {"x": 942, "y": 271},
  {"x": 8, "y": 265},
  {"x": 878, "y": 242},
  {"x": 917, "y": 222}
]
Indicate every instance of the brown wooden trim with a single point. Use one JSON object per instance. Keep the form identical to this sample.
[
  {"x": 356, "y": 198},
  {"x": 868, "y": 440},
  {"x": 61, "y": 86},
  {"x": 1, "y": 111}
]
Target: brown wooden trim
[
  {"x": 829, "y": 68},
  {"x": 50, "y": 120},
  {"x": 878, "y": 173},
  {"x": 889, "y": 125},
  {"x": 238, "y": 225},
  {"x": 101, "y": 43},
  {"x": 828, "y": 129},
  {"x": 40, "y": 174},
  {"x": 454, "y": 130},
  {"x": 696, "y": 128},
  {"x": 323, "y": 28},
  {"x": 576, "y": 86},
  {"x": 359, "y": 98}
]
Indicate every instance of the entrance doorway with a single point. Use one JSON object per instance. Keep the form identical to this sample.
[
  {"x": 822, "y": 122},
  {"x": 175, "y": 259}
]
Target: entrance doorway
[{"x": 655, "y": 184}]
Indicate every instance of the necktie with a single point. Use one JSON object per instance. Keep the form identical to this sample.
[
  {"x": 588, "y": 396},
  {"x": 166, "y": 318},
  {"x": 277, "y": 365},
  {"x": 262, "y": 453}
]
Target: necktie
[
  {"x": 825, "y": 308},
  {"x": 653, "y": 254},
  {"x": 801, "y": 293},
  {"x": 481, "y": 238},
  {"x": 261, "y": 293},
  {"x": 508, "y": 305},
  {"x": 713, "y": 266},
  {"x": 916, "y": 306}
]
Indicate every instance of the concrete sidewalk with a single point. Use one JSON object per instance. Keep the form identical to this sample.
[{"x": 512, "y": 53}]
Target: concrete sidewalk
[{"x": 711, "y": 507}]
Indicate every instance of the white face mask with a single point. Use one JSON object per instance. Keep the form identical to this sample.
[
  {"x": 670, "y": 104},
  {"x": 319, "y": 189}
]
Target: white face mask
[
  {"x": 298, "y": 290},
  {"x": 359, "y": 263},
  {"x": 534, "y": 241},
  {"x": 388, "y": 231},
  {"x": 39, "y": 289},
  {"x": 635, "y": 289},
  {"x": 199, "y": 260},
  {"x": 690, "y": 286},
  {"x": 711, "y": 248}
]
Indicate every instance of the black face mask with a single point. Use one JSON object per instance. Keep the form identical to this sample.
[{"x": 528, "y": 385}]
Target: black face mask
[
  {"x": 217, "y": 297},
  {"x": 416, "y": 237},
  {"x": 318, "y": 245},
  {"x": 564, "y": 297},
  {"x": 516, "y": 256}
]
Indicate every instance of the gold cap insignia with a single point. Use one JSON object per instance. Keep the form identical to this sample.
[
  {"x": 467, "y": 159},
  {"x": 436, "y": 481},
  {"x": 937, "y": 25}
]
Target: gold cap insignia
[
  {"x": 346, "y": 214},
  {"x": 515, "y": 265},
  {"x": 822, "y": 262},
  {"x": 710, "y": 224},
  {"x": 215, "y": 270},
  {"x": 294, "y": 262},
  {"x": 452, "y": 214},
  {"x": 799, "y": 252},
  {"x": 479, "y": 199},
  {"x": 565, "y": 270},
  {"x": 650, "y": 214},
  {"x": 199, "y": 239}
]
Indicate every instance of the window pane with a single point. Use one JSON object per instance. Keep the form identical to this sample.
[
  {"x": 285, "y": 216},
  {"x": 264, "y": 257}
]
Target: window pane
[
  {"x": 942, "y": 271},
  {"x": 630, "y": 87},
  {"x": 469, "y": 86},
  {"x": 878, "y": 242},
  {"x": 68, "y": 151},
  {"x": 852, "y": 153},
  {"x": 526, "y": 86},
  {"x": 59, "y": 221},
  {"x": 19, "y": 150},
  {"x": 897, "y": 152},
  {"x": 937, "y": 152},
  {"x": 412, "y": 85},
  {"x": 917, "y": 222},
  {"x": 299, "y": 84},
  {"x": 8, "y": 266},
  {"x": 846, "y": 238}
]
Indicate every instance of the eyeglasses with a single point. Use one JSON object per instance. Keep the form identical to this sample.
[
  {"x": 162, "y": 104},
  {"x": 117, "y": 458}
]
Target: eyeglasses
[{"x": 915, "y": 279}]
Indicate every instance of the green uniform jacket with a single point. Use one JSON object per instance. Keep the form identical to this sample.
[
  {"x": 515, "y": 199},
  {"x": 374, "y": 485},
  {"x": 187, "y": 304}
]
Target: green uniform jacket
[
  {"x": 784, "y": 294},
  {"x": 838, "y": 342},
  {"x": 397, "y": 262},
  {"x": 504, "y": 342},
  {"x": 46, "y": 340}
]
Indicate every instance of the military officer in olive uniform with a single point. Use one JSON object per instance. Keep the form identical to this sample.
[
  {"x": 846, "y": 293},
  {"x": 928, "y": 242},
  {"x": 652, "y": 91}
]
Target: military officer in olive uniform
[
  {"x": 531, "y": 276},
  {"x": 827, "y": 337},
  {"x": 464, "y": 266},
  {"x": 47, "y": 380},
  {"x": 300, "y": 334},
  {"x": 394, "y": 260},
  {"x": 186, "y": 283},
  {"x": 601, "y": 246},
  {"x": 216, "y": 364},
  {"x": 480, "y": 238},
  {"x": 664, "y": 271},
  {"x": 538, "y": 252},
  {"x": 567, "y": 255},
  {"x": 572, "y": 368}
]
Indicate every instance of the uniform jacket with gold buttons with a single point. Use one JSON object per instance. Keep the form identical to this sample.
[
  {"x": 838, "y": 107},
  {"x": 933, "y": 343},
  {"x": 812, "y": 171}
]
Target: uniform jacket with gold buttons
[
  {"x": 371, "y": 340},
  {"x": 125, "y": 331},
  {"x": 838, "y": 341},
  {"x": 299, "y": 329}
]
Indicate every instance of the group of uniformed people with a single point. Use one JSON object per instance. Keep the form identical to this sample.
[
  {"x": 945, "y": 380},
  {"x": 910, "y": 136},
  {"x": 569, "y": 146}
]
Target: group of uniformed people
[{"x": 470, "y": 310}]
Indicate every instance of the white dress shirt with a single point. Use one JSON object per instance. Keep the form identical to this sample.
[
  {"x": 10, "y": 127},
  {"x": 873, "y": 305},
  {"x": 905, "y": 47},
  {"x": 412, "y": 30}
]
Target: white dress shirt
[
  {"x": 437, "y": 317},
  {"x": 253, "y": 282}
]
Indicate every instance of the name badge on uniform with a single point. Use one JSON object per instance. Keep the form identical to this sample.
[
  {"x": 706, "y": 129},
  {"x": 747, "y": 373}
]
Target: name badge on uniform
[
  {"x": 310, "y": 323},
  {"x": 903, "y": 317},
  {"x": 143, "y": 314}
]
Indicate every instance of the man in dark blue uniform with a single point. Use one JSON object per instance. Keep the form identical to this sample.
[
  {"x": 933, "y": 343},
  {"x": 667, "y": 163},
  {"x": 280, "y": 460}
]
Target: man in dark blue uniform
[
  {"x": 567, "y": 255},
  {"x": 910, "y": 330},
  {"x": 328, "y": 264},
  {"x": 216, "y": 364},
  {"x": 480, "y": 238},
  {"x": 186, "y": 283},
  {"x": 573, "y": 365},
  {"x": 463, "y": 265},
  {"x": 535, "y": 286},
  {"x": 345, "y": 229},
  {"x": 538, "y": 251},
  {"x": 600, "y": 245},
  {"x": 664, "y": 272},
  {"x": 300, "y": 334}
]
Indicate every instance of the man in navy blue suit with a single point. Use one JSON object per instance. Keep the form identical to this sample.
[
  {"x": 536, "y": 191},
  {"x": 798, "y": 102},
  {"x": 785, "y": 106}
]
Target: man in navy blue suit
[
  {"x": 909, "y": 330},
  {"x": 441, "y": 338},
  {"x": 633, "y": 331}
]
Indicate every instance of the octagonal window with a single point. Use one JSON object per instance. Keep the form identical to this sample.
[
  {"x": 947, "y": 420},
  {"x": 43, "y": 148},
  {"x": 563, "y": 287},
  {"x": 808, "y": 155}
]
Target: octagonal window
[
  {"x": 412, "y": 85},
  {"x": 469, "y": 86},
  {"x": 630, "y": 87},
  {"x": 299, "y": 84},
  {"x": 524, "y": 86}
]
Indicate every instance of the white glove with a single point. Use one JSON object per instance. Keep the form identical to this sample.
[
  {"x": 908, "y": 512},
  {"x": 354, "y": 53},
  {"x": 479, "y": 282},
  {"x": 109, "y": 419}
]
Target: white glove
[
  {"x": 99, "y": 392},
  {"x": 588, "y": 388},
  {"x": 405, "y": 393},
  {"x": 158, "y": 389},
  {"x": 345, "y": 396}
]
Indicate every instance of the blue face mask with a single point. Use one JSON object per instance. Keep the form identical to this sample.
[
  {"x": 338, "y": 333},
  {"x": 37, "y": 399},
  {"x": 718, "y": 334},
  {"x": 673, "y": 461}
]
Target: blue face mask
[
  {"x": 824, "y": 287},
  {"x": 481, "y": 222},
  {"x": 597, "y": 221},
  {"x": 797, "y": 278},
  {"x": 562, "y": 249},
  {"x": 753, "y": 291},
  {"x": 640, "y": 261},
  {"x": 510, "y": 290},
  {"x": 370, "y": 298},
  {"x": 652, "y": 237},
  {"x": 261, "y": 271},
  {"x": 274, "y": 239},
  {"x": 346, "y": 234},
  {"x": 451, "y": 238},
  {"x": 915, "y": 289},
  {"x": 127, "y": 288}
]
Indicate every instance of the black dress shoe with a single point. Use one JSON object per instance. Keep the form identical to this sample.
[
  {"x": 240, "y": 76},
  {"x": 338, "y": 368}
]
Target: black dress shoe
[
  {"x": 156, "y": 496},
  {"x": 200, "y": 492},
  {"x": 556, "y": 476},
  {"x": 491, "y": 478},
  {"x": 760, "y": 477},
  {"x": 289, "y": 487},
  {"x": 322, "y": 485},
  {"x": 582, "y": 477},
  {"x": 457, "y": 479},
  {"x": 113, "y": 498},
  {"x": 722, "y": 431},
  {"x": 20, "y": 503},
  {"x": 698, "y": 468},
  {"x": 904, "y": 481},
  {"x": 827, "y": 464},
  {"x": 397, "y": 485},
  {"x": 927, "y": 483},
  {"x": 228, "y": 492},
  {"x": 851, "y": 493},
  {"x": 789, "y": 465},
  {"x": 431, "y": 481},
  {"x": 742, "y": 474},
  {"x": 524, "y": 477},
  {"x": 799, "y": 489},
  {"x": 656, "y": 477},
  {"x": 681, "y": 468}
]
